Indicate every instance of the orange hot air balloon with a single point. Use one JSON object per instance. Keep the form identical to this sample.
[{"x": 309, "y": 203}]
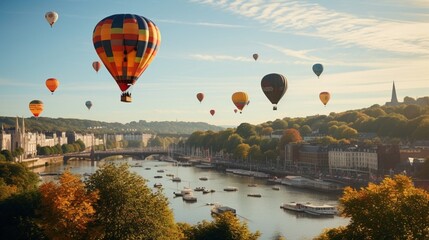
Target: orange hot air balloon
[
  {"x": 36, "y": 107},
  {"x": 96, "y": 65},
  {"x": 324, "y": 97},
  {"x": 52, "y": 84},
  {"x": 126, "y": 44},
  {"x": 200, "y": 96},
  {"x": 240, "y": 100},
  {"x": 212, "y": 112}
]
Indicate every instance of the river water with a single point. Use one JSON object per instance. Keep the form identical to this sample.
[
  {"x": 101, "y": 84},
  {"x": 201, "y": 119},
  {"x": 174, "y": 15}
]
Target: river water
[{"x": 263, "y": 214}]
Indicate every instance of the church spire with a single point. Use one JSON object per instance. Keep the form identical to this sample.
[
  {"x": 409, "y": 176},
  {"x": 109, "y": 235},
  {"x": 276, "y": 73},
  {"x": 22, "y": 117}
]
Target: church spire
[{"x": 394, "y": 98}]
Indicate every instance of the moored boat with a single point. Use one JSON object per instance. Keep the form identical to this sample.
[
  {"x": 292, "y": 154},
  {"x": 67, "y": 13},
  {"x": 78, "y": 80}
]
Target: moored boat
[
  {"x": 203, "y": 178},
  {"x": 219, "y": 209},
  {"x": 254, "y": 195},
  {"x": 189, "y": 198},
  {"x": 176, "y": 179},
  {"x": 230, "y": 189},
  {"x": 325, "y": 209}
]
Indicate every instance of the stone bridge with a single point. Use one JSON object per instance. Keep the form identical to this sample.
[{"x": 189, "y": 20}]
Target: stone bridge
[{"x": 136, "y": 153}]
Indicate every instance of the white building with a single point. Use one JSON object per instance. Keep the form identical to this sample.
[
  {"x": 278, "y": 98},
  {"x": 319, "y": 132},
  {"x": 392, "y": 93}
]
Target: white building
[
  {"x": 140, "y": 137},
  {"x": 353, "y": 159}
]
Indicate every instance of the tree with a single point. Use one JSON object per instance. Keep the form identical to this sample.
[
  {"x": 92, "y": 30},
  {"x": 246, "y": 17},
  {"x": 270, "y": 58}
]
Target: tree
[
  {"x": 16, "y": 178},
  {"x": 290, "y": 135},
  {"x": 305, "y": 130},
  {"x": 394, "y": 209},
  {"x": 2, "y": 157},
  {"x": 233, "y": 141},
  {"x": 412, "y": 111},
  {"x": 127, "y": 208},
  {"x": 67, "y": 208},
  {"x": 267, "y": 131},
  {"x": 255, "y": 153},
  {"x": 226, "y": 226},
  {"x": 81, "y": 145},
  {"x": 8, "y": 155},
  {"x": 246, "y": 130},
  {"x": 155, "y": 142},
  {"x": 279, "y": 124},
  {"x": 241, "y": 151}
]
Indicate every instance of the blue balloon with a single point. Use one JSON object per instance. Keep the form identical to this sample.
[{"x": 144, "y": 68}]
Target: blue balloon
[{"x": 318, "y": 69}]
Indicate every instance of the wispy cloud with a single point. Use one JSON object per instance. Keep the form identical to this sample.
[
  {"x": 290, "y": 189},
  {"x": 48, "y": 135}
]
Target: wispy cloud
[
  {"x": 216, "y": 58},
  {"x": 301, "y": 54},
  {"x": 205, "y": 24},
  {"x": 343, "y": 28}
]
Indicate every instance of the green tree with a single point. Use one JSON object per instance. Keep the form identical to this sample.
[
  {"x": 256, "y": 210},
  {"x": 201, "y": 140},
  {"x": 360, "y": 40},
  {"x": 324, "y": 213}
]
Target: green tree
[
  {"x": 2, "y": 157},
  {"x": 279, "y": 124},
  {"x": 8, "y": 155},
  {"x": 155, "y": 142},
  {"x": 128, "y": 208},
  {"x": 225, "y": 226},
  {"x": 266, "y": 131},
  {"x": 412, "y": 111},
  {"x": 81, "y": 145},
  {"x": 394, "y": 209},
  {"x": 246, "y": 130},
  {"x": 255, "y": 153},
  {"x": 305, "y": 130},
  {"x": 233, "y": 141},
  {"x": 16, "y": 177},
  {"x": 241, "y": 151}
]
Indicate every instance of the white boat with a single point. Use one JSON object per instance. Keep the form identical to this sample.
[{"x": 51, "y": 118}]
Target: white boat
[
  {"x": 176, "y": 179},
  {"x": 203, "y": 178},
  {"x": 199, "y": 189},
  {"x": 230, "y": 189},
  {"x": 189, "y": 198},
  {"x": 157, "y": 185},
  {"x": 313, "y": 184},
  {"x": 183, "y": 192},
  {"x": 276, "y": 188},
  {"x": 219, "y": 209},
  {"x": 254, "y": 195},
  {"x": 327, "y": 210}
]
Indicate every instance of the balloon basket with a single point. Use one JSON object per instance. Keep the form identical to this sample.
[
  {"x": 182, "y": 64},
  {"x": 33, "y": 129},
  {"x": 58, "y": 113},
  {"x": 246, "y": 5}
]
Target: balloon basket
[{"x": 125, "y": 98}]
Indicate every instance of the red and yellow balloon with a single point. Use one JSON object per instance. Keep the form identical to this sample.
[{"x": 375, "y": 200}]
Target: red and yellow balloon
[
  {"x": 52, "y": 84},
  {"x": 324, "y": 97},
  {"x": 126, "y": 44},
  {"x": 36, "y": 107},
  {"x": 240, "y": 100}
]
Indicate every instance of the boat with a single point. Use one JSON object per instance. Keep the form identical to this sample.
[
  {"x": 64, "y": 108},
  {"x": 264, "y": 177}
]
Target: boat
[
  {"x": 176, "y": 179},
  {"x": 189, "y": 198},
  {"x": 199, "y": 189},
  {"x": 203, "y": 178},
  {"x": 230, "y": 189},
  {"x": 205, "y": 191},
  {"x": 169, "y": 175},
  {"x": 157, "y": 176},
  {"x": 312, "y": 184},
  {"x": 160, "y": 170},
  {"x": 252, "y": 185},
  {"x": 148, "y": 168},
  {"x": 137, "y": 165},
  {"x": 219, "y": 209},
  {"x": 157, "y": 185},
  {"x": 325, "y": 209},
  {"x": 276, "y": 188},
  {"x": 183, "y": 192},
  {"x": 254, "y": 195}
]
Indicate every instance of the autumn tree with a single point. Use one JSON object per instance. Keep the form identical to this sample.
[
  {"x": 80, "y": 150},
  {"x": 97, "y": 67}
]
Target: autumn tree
[
  {"x": 15, "y": 178},
  {"x": 246, "y": 130},
  {"x": 279, "y": 124},
  {"x": 67, "y": 207},
  {"x": 241, "y": 151},
  {"x": 393, "y": 209},
  {"x": 127, "y": 208},
  {"x": 225, "y": 226}
]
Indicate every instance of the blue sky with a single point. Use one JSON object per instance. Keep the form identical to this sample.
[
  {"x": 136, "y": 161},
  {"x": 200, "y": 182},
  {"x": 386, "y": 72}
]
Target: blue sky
[{"x": 207, "y": 47}]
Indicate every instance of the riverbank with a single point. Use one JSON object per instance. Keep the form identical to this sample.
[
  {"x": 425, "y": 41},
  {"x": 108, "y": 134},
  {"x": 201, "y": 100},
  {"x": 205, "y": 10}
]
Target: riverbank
[{"x": 42, "y": 161}]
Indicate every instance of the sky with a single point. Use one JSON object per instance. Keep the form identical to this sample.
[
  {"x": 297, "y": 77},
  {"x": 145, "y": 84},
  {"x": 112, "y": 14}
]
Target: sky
[{"x": 207, "y": 46}]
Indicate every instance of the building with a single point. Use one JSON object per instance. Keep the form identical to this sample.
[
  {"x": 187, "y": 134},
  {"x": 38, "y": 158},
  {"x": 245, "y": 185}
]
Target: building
[
  {"x": 140, "y": 137},
  {"x": 394, "y": 100},
  {"x": 352, "y": 160},
  {"x": 306, "y": 158},
  {"x": 5, "y": 140}
]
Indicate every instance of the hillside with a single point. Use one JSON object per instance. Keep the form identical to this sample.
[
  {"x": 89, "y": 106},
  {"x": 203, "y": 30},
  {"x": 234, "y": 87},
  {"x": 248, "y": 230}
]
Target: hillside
[{"x": 45, "y": 124}]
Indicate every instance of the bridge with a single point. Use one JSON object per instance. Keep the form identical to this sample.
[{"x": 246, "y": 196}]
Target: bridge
[{"x": 136, "y": 153}]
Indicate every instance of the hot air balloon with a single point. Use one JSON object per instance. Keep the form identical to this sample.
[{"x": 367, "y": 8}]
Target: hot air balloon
[
  {"x": 318, "y": 69},
  {"x": 212, "y": 112},
  {"x": 235, "y": 110},
  {"x": 52, "y": 84},
  {"x": 324, "y": 97},
  {"x": 240, "y": 100},
  {"x": 126, "y": 44},
  {"x": 200, "y": 96},
  {"x": 88, "y": 104},
  {"x": 36, "y": 107},
  {"x": 255, "y": 56},
  {"x": 51, "y": 17},
  {"x": 96, "y": 65},
  {"x": 274, "y": 86}
]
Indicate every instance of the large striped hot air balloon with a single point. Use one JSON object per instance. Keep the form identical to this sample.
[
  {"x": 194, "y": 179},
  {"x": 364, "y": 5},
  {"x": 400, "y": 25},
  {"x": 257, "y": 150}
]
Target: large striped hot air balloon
[
  {"x": 240, "y": 100},
  {"x": 126, "y": 44},
  {"x": 36, "y": 107},
  {"x": 52, "y": 84}
]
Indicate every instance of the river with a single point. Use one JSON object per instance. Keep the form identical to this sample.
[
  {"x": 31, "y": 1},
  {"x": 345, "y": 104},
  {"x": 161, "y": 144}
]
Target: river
[{"x": 263, "y": 214}]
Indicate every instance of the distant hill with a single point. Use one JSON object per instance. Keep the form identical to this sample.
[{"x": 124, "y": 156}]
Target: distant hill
[{"x": 45, "y": 124}]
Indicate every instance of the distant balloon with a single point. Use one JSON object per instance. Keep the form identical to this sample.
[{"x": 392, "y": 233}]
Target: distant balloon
[
  {"x": 324, "y": 97},
  {"x": 51, "y": 17},
  {"x": 126, "y": 44},
  {"x": 212, "y": 112},
  {"x": 36, "y": 107},
  {"x": 88, "y": 104},
  {"x": 52, "y": 84},
  {"x": 255, "y": 56},
  {"x": 200, "y": 96},
  {"x": 318, "y": 69},
  {"x": 274, "y": 86},
  {"x": 96, "y": 65},
  {"x": 235, "y": 110},
  {"x": 240, "y": 100}
]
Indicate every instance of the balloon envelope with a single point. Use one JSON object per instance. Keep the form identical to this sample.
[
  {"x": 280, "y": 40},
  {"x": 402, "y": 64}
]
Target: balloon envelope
[
  {"x": 51, "y": 17},
  {"x": 235, "y": 110},
  {"x": 324, "y": 97},
  {"x": 255, "y": 56},
  {"x": 212, "y": 112},
  {"x": 52, "y": 84},
  {"x": 36, "y": 107},
  {"x": 200, "y": 96},
  {"x": 240, "y": 100},
  {"x": 126, "y": 44},
  {"x": 96, "y": 65},
  {"x": 274, "y": 86},
  {"x": 88, "y": 104},
  {"x": 318, "y": 69}
]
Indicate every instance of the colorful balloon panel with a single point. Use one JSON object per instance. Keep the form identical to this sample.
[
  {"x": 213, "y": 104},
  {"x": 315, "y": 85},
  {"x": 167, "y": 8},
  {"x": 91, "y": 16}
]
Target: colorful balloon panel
[
  {"x": 240, "y": 100},
  {"x": 324, "y": 97},
  {"x": 318, "y": 69},
  {"x": 274, "y": 86},
  {"x": 36, "y": 107},
  {"x": 51, "y": 17},
  {"x": 96, "y": 65},
  {"x": 200, "y": 96},
  {"x": 126, "y": 44},
  {"x": 52, "y": 84}
]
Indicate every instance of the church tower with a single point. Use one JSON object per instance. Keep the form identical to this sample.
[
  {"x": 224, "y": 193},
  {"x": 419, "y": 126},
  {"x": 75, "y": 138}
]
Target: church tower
[{"x": 394, "y": 100}]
